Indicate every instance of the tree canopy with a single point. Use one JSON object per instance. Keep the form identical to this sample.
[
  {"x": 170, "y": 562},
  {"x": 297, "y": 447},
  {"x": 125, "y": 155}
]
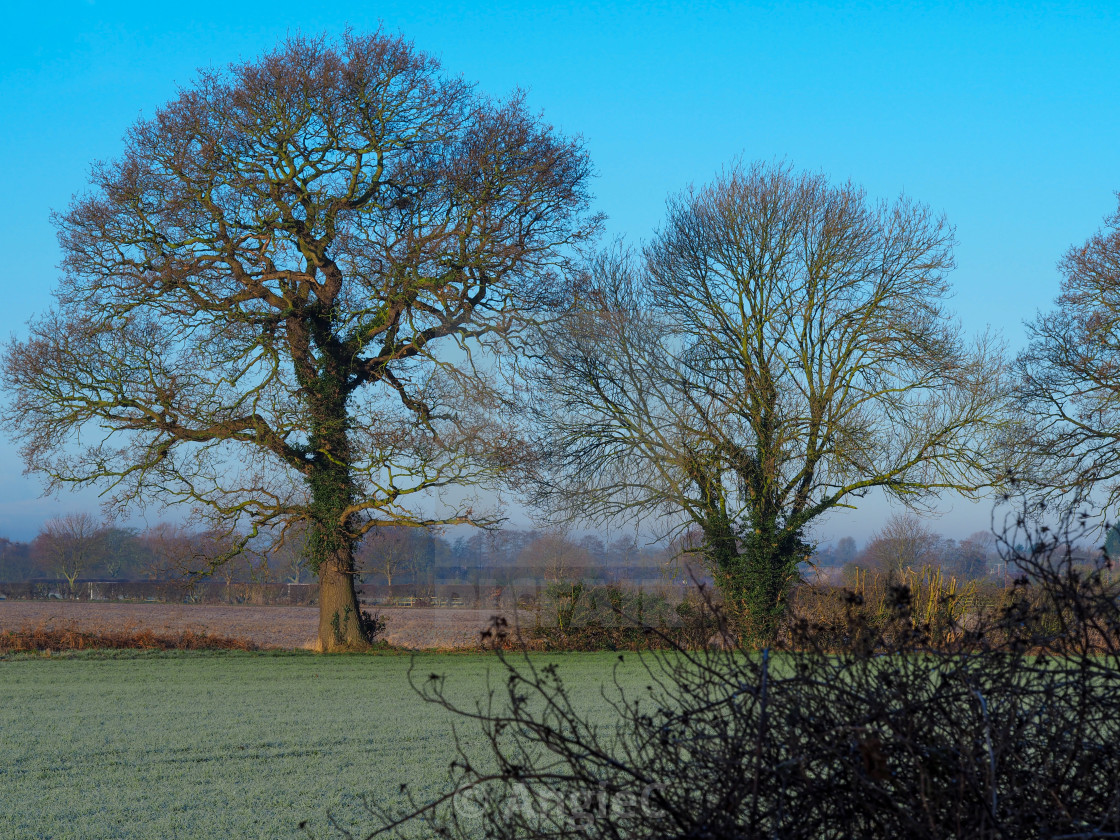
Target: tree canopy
[
  {"x": 780, "y": 348},
  {"x": 1068, "y": 383}
]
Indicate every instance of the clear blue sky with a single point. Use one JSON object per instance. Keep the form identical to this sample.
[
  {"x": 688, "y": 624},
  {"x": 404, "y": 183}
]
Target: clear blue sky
[{"x": 1005, "y": 116}]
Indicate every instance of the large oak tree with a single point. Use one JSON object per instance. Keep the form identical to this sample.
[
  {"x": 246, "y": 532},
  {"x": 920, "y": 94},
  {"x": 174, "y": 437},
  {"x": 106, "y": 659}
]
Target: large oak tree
[
  {"x": 778, "y": 350},
  {"x": 271, "y": 301}
]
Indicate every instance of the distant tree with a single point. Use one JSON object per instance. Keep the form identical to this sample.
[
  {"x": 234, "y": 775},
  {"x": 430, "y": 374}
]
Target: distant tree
[
  {"x": 564, "y": 566},
  {"x": 68, "y": 546},
  {"x": 1112, "y": 542},
  {"x": 427, "y": 551},
  {"x": 903, "y": 542},
  {"x": 386, "y": 552},
  {"x": 222, "y": 554},
  {"x": 593, "y": 545},
  {"x": 171, "y": 551},
  {"x": 271, "y": 301},
  {"x": 513, "y": 543},
  {"x": 972, "y": 556},
  {"x": 780, "y": 348},
  {"x": 624, "y": 551},
  {"x": 122, "y": 551},
  {"x": 846, "y": 550},
  {"x": 288, "y": 559},
  {"x": 1068, "y": 384},
  {"x": 15, "y": 560},
  {"x": 556, "y": 557}
]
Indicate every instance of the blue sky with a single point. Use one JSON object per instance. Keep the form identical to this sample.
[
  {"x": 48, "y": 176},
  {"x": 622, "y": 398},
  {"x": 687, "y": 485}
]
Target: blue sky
[{"x": 1007, "y": 118}]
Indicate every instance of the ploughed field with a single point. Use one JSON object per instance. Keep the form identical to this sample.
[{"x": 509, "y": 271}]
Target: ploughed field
[
  {"x": 185, "y": 745},
  {"x": 266, "y": 626}
]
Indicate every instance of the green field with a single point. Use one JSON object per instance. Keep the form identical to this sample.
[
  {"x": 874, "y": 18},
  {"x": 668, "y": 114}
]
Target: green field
[{"x": 222, "y": 745}]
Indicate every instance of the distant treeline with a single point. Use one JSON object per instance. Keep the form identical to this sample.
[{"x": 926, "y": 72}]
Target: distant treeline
[{"x": 77, "y": 548}]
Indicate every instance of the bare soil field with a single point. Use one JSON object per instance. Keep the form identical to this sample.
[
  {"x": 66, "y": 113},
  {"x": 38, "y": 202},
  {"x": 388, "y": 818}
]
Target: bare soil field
[{"x": 272, "y": 627}]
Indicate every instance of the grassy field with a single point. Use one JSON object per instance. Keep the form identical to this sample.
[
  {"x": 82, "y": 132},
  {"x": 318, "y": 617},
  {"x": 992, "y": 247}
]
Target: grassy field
[{"x": 216, "y": 745}]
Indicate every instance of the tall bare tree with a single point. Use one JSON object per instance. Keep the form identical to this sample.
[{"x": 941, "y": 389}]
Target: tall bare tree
[
  {"x": 1068, "y": 383},
  {"x": 386, "y": 551},
  {"x": 903, "y": 542},
  {"x": 778, "y": 350},
  {"x": 171, "y": 550},
  {"x": 271, "y": 301},
  {"x": 289, "y": 559},
  {"x": 69, "y": 545}
]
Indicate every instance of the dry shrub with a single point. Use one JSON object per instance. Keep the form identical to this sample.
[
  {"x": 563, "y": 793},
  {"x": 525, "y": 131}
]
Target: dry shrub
[
  {"x": 70, "y": 638},
  {"x": 581, "y": 617},
  {"x": 577, "y": 616},
  {"x": 1007, "y": 727},
  {"x": 584, "y": 638},
  {"x": 939, "y": 603}
]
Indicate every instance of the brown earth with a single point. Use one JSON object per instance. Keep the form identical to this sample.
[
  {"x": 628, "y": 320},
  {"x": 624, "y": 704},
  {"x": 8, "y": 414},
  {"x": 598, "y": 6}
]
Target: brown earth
[{"x": 270, "y": 627}]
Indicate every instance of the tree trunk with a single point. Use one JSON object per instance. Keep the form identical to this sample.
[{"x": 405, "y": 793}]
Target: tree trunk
[
  {"x": 755, "y": 572},
  {"x": 340, "y": 621},
  {"x": 331, "y": 537}
]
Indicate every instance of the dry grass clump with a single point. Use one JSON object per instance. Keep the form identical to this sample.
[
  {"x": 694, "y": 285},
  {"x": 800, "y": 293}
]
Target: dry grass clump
[
  {"x": 71, "y": 638},
  {"x": 937, "y": 602}
]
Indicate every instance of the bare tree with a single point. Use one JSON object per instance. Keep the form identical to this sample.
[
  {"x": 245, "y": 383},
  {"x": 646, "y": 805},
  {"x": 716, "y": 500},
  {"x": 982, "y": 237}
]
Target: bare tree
[
  {"x": 119, "y": 550},
  {"x": 225, "y": 553},
  {"x": 261, "y": 296},
  {"x": 386, "y": 551},
  {"x": 779, "y": 349},
  {"x": 1068, "y": 383},
  {"x": 171, "y": 548},
  {"x": 563, "y": 564},
  {"x": 558, "y": 557},
  {"x": 16, "y": 562},
  {"x": 69, "y": 545},
  {"x": 289, "y": 558},
  {"x": 971, "y": 557},
  {"x": 846, "y": 550},
  {"x": 903, "y": 542}
]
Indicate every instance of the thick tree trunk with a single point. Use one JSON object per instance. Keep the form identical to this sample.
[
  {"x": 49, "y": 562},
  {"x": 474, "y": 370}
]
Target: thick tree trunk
[
  {"x": 331, "y": 544},
  {"x": 755, "y": 573},
  {"x": 340, "y": 624}
]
